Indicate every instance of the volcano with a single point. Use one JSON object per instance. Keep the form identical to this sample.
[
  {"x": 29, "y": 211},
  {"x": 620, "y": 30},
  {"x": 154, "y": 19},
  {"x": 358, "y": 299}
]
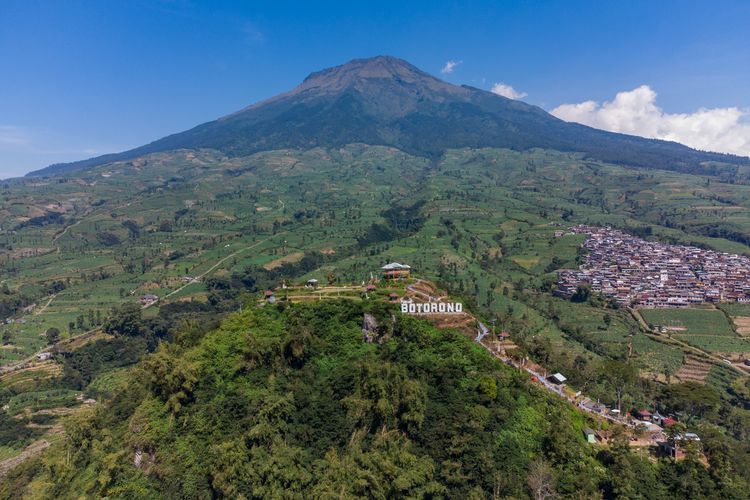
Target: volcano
[{"x": 387, "y": 101}]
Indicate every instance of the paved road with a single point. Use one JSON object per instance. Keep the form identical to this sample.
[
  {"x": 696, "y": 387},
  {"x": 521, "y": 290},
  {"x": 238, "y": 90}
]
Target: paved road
[
  {"x": 483, "y": 331},
  {"x": 556, "y": 389}
]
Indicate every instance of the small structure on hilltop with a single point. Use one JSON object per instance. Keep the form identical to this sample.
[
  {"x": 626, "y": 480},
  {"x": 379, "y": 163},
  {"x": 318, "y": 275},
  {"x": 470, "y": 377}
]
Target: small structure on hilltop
[
  {"x": 311, "y": 283},
  {"x": 395, "y": 270}
]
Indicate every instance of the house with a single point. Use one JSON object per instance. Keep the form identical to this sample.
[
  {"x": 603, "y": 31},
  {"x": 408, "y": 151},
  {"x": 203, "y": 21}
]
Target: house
[
  {"x": 395, "y": 270},
  {"x": 557, "y": 378},
  {"x": 42, "y": 356},
  {"x": 270, "y": 296},
  {"x": 393, "y": 296},
  {"x": 590, "y": 435},
  {"x": 650, "y": 427},
  {"x": 668, "y": 422},
  {"x": 642, "y": 414},
  {"x": 371, "y": 288},
  {"x": 311, "y": 283},
  {"x": 657, "y": 418},
  {"x": 148, "y": 299}
]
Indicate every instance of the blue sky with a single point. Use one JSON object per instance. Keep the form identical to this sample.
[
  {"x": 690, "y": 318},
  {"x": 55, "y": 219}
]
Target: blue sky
[{"x": 82, "y": 78}]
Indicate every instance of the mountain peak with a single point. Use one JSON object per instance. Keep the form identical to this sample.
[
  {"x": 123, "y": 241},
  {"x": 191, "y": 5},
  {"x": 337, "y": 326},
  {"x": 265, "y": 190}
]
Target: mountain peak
[
  {"x": 373, "y": 67},
  {"x": 361, "y": 73}
]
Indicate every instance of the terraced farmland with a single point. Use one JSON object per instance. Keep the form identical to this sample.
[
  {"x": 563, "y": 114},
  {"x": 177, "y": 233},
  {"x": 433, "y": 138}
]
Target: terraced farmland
[{"x": 707, "y": 329}]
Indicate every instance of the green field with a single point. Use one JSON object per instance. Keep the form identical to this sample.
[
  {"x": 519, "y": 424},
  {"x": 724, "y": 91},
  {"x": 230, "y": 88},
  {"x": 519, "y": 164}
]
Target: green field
[
  {"x": 703, "y": 328},
  {"x": 481, "y": 223},
  {"x": 733, "y": 309},
  {"x": 702, "y": 322},
  {"x": 192, "y": 210}
]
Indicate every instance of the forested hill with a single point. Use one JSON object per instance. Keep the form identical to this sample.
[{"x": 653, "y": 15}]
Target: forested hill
[
  {"x": 387, "y": 101},
  {"x": 291, "y": 402}
]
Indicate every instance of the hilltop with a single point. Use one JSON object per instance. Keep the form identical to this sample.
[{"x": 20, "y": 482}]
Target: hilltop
[
  {"x": 388, "y": 102},
  {"x": 291, "y": 400}
]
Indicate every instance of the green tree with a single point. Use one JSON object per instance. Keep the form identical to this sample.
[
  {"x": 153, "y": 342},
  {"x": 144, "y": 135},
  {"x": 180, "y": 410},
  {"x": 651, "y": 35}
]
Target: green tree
[
  {"x": 53, "y": 335},
  {"x": 127, "y": 319},
  {"x": 692, "y": 399},
  {"x": 619, "y": 378}
]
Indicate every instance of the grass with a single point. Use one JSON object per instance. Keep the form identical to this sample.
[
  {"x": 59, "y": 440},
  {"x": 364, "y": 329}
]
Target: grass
[
  {"x": 703, "y": 322},
  {"x": 713, "y": 343},
  {"x": 734, "y": 309}
]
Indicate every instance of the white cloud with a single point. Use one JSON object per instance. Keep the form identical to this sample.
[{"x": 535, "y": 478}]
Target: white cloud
[
  {"x": 13, "y": 136},
  {"x": 449, "y": 67},
  {"x": 24, "y": 148},
  {"x": 726, "y": 130},
  {"x": 506, "y": 90}
]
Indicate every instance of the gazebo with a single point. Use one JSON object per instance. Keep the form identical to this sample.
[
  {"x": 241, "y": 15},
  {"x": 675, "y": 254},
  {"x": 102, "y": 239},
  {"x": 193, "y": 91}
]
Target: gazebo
[{"x": 395, "y": 270}]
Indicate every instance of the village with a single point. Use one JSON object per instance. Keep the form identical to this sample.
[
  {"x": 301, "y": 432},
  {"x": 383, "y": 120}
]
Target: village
[{"x": 637, "y": 273}]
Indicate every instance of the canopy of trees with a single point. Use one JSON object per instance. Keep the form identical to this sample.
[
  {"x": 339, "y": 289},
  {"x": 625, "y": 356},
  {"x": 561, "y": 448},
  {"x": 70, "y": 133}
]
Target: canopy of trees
[{"x": 289, "y": 402}]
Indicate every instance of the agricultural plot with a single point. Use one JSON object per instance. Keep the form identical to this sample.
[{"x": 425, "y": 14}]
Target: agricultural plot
[
  {"x": 740, "y": 316},
  {"x": 718, "y": 344},
  {"x": 694, "y": 369},
  {"x": 689, "y": 321},
  {"x": 707, "y": 329},
  {"x": 484, "y": 226}
]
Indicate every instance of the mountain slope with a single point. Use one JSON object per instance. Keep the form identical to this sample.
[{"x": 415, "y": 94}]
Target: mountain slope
[
  {"x": 291, "y": 402},
  {"x": 387, "y": 101}
]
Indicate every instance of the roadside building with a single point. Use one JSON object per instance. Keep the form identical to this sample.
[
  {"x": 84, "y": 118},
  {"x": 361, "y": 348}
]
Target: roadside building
[
  {"x": 557, "y": 378},
  {"x": 590, "y": 435},
  {"x": 675, "y": 447},
  {"x": 642, "y": 414},
  {"x": 148, "y": 299},
  {"x": 668, "y": 422}
]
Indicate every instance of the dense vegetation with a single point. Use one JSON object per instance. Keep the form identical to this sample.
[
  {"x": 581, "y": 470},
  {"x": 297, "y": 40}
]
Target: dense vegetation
[{"x": 290, "y": 402}]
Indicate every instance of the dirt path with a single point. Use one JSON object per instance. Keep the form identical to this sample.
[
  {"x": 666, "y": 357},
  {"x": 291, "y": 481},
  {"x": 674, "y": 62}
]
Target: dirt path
[
  {"x": 33, "y": 449},
  {"x": 213, "y": 268},
  {"x": 44, "y": 307},
  {"x": 54, "y": 240},
  {"x": 20, "y": 364}
]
